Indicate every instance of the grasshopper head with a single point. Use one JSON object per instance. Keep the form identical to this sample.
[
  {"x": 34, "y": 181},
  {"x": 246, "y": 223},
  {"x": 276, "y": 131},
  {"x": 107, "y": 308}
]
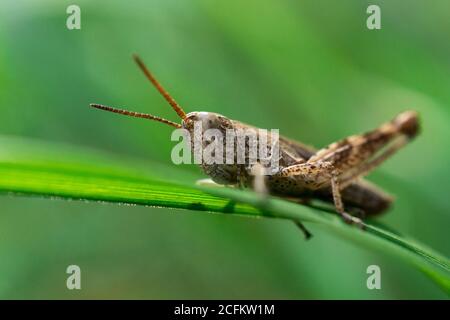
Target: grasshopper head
[
  {"x": 221, "y": 173},
  {"x": 210, "y": 129}
]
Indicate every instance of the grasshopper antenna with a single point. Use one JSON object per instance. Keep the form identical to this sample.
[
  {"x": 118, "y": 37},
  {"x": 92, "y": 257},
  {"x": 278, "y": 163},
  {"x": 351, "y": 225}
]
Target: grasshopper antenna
[
  {"x": 158, "y": 86},
  {"x": 135, "y": 114}
]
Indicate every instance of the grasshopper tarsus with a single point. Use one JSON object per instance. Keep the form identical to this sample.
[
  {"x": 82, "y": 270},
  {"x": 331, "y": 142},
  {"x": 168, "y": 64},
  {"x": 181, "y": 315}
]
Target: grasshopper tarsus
[{"x": 348, "y": 218}]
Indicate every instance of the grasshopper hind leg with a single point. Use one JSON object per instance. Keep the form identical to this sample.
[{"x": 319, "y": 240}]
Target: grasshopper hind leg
[
  {"x": 320, "y": 174},
  {"x": 339, "y": 205}
]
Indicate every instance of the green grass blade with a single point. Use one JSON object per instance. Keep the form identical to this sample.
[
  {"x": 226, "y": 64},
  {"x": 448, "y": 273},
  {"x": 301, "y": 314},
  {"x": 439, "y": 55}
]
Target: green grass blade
[{"x": 40, "y": 169}]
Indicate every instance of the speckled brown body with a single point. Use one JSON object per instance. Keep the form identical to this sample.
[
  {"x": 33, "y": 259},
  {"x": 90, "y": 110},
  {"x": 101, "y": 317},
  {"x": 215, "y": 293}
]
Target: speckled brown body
[{"x": 306, "y": 173}]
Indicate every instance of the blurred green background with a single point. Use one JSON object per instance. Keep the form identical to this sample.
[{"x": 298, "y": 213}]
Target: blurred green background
[{"x": 310, "y": 68}]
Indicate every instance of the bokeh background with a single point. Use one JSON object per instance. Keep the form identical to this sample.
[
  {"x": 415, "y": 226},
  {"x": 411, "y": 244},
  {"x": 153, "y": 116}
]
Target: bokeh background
[{"x": 310, "y": 68}]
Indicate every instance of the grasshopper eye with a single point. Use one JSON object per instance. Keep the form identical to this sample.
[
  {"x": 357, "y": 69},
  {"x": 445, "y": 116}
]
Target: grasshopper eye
[
  {"x": 188, "y": 122},
  {"x": 224, "y": 122},
  {"x": 222, "y": 119}
]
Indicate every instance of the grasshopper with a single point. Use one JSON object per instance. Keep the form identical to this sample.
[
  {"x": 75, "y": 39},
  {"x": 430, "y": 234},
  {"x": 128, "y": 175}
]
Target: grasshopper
[{"x": 332, "y": 174}]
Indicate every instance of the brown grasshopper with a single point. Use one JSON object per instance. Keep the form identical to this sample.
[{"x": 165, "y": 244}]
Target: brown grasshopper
[{"x": 332, "y": 174}]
